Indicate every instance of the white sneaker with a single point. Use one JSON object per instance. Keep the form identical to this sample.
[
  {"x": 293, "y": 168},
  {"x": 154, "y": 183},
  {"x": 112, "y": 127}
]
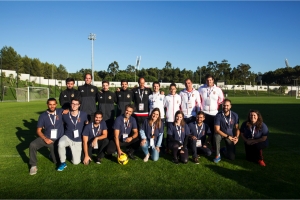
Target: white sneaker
[
  {"x": 33, "y": 170},
  {"x": 146, "y": 157}
]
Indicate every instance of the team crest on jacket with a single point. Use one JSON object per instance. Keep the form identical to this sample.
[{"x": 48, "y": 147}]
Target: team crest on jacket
[
  {"x": 72, "y": 95},
  {"x": 120, "y": 95},
  {"x": 128, "y": 96},
  {"x": 109, "y": 97},
  {"x": 146, "y": 92},
  {"x": 214, "y": 92},
  {"x": 92, "y": 90},
  {"x": 192, "y": 95}
]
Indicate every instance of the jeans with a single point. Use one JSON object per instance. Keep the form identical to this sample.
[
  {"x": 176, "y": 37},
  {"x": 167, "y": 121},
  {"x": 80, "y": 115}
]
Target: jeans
[{"x": 154, "y": 153}]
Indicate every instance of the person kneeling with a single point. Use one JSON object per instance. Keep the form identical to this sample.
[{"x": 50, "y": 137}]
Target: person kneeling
[
  {"x": 178, "y": 138},
  {"x": 152, "y": 133},
  {"x": 94, "y": 137}
]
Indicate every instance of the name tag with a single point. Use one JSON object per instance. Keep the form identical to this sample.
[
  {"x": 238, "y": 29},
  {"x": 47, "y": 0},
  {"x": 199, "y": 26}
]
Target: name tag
[
  {"x": 76, "y": 133},
  {"x": 96, "y": 145},
  {"x": 152, "y": 142},
  {"x": 190, "y": 105},
  {"x": 125, "y": 136},
  {"x": 141, "y": 106},
  {"x": 198, "y": 143},
  {"x": 53, "y": 134}
]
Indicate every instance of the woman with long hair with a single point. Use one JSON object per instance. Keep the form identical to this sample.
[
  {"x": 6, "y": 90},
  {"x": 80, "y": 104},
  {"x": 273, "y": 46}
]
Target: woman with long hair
[
  {"x": 178, "y": 138},
  {"x": 152, "y": 133},
  {"x": 255, "y": 135}
]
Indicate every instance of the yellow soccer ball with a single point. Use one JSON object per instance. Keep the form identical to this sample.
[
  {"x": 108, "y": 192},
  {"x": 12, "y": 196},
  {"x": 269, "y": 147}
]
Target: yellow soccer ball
[{"x": 123, "y": 159}]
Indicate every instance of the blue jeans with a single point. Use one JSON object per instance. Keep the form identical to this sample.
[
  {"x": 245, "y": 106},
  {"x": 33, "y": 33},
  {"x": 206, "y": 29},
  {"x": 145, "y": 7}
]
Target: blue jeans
[{"x": 154, "y": 153}]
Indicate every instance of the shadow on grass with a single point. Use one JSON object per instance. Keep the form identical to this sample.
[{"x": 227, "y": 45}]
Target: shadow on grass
[{"x": 26, "y": 137}]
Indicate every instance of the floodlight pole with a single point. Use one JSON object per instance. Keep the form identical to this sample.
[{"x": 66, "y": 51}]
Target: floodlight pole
[{"x": 92, "y": 37}]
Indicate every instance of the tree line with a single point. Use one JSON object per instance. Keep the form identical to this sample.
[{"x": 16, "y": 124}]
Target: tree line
[{"x": 241, "y": 74}]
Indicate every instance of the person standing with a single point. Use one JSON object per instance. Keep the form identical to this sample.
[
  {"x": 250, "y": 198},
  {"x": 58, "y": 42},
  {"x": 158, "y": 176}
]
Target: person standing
[
  {"x": 106, "y": 104},
  {"x": 68, "y": 94},
  {"x": 74, "y": 124},
  {"x": 124, "y": 97},
  {"x": 199, "y": 131},
  {"x": 255, "y": 135},
  {"x": 156, "y": 100},
  {"x": 141, "y": 102},
  {"x": 227, "y": 129},
  {"x": 152, "y": 133},
  {"x": 125, "y": 134},
  {"x": 49, "y": 129},
  {"x": 190, "y": 102},
  {"x": 211, "y": 98},
  {"x": 94, "y": 137},
  {"x": 88, "y": 93}
]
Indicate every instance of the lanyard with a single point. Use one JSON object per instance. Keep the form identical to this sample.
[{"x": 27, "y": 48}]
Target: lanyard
[
  {"x": 98, "y": 130},
  {"x": 189, "y": 94},
  {"x": 253, "y": 131},
  {"x": 208, "y": 93},
  {"x": 126, "y": 125},
  {"x": 152, "y": 130},
  {"x": 76, "y": 119},
  {"x": 178, "y": 128},
  {"x": 141, "y": 95},
  {"x": 53, "y": 123},
  {"x": 198, "y": 132},
  {"x": 228, "y": 123}
]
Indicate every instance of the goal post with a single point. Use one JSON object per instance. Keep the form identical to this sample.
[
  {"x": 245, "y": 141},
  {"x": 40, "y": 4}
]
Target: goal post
[
  {"x": 297, "y": 92},
  {"x": 31, "y": 94}
]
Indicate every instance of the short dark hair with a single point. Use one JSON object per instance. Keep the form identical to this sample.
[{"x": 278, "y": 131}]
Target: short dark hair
[
  {"x": 155, "y": 82},
  {"x": 69, "y": 80},
  {"x": 228, "y": 100},
  {"x": 129, "y": 106},
  {"x": 76, "y": 99},
  {"x": 201, "y": 113},
  {"x": 98, "y": 112},
  {"x": 51, "y": 99},
  {"x": 172, "y": 84},
  {"x": 105, "y": 82},
  {"x": 124, "y": 80},
  {"x": 209, "y": 76}
]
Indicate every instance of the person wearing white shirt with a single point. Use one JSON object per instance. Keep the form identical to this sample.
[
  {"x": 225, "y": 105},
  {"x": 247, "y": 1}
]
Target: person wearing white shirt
[
  {"x": 211, "y": 97},
  {"x": 190, "y": 102},
  {"x": 156, "y": 99}
]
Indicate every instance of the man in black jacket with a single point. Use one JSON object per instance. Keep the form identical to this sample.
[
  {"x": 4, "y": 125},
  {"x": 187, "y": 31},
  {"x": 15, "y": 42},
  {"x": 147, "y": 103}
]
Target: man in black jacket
[
  {"x": 106, "y": 104},
  {"x": 68, "y": 94},
  {"x": 88, "y": 93},
  {"x": 124, "y": 97}
]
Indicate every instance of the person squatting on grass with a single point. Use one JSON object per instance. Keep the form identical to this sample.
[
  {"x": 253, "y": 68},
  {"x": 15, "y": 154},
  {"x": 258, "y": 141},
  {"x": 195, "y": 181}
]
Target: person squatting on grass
[
  {"x": 255, "y": 135},
  {"x": 226, "y": 128},
  {"x": 49, "y": 129},
  {"x": 199, "y": 131},
  {"x": 94, "y": 138},
  {"x": 152, "y": 133},
  {"x": 74, "y": 123},
  {"x": 125, "y": 134},
  {"x": 178, "y": 134}
]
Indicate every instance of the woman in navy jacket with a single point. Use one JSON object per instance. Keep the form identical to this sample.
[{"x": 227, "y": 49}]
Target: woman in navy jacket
[
  {"x": 151, "y": 134},
  {"x": 178, "y": 138}
]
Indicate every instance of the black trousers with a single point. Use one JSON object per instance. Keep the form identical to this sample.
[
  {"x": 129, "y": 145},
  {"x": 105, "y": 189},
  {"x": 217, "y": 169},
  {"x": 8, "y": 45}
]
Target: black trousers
[
  {"x": 254, "y": 152},
  {"x": 132, "y": 146},
  {"x": 100, "y": 151},
  {"x": 176, "y": 152},
  {"x": 209, "y": 120}
]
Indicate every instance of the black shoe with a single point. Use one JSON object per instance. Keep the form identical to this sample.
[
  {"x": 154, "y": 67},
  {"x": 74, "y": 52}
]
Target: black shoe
[
  {"x": 109, "y": 156},
  {"x": 131, "y": 156},
  {"x": 175, "y": 161},
  {"x": 98, "y": 161}
]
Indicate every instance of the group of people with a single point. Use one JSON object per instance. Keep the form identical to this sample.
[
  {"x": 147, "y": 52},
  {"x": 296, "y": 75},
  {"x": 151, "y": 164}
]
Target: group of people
[{"x": 192, "y": 119}]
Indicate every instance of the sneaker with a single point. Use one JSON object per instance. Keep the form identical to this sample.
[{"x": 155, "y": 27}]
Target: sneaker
[
  {"x": 175, "y": 161},
  {"x": 262, "y": 163},
  {"x": 98, "y": 161},
  {"x": 196, "y": 160},
  {"x": 217, "y": 159},
  {"x": 61, "y": 167},
  {"x": 33, "y": 170},
  {"x": 146, "y": 157}
]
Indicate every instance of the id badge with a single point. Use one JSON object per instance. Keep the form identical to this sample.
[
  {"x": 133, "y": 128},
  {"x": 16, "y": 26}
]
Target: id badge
[
  {"x": 198, "y": 143},
  {"x": 53, "y": 134},
  {"x": 229, "y": 131},
  {"x": 76, "y": 133},
  {"x": 141, "y": 106},
  {"x": 179, "y": 147},
  {"x": 152, "y": 142},
  {"x": 207, "y": 101},
  {"x": 96, "y": 145},
  {"x": 125, "y": 136},
  {"x": 190, "y": 105}
]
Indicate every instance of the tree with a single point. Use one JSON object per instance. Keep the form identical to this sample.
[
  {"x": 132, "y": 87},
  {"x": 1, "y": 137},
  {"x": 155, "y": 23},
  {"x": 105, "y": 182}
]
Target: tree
[
  {"x": 130, "y": 69},
  {"x": 244, "y": 72},
  {"x": 11, "y": 60},
  {"x": 113, "y": 68}
]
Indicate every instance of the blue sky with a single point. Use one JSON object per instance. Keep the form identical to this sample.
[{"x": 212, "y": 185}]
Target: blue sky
[{"x": 187, "y": 34}]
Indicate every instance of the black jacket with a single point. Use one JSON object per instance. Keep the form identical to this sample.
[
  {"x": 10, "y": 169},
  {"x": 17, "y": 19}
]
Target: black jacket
[
  {"x": 88, "y": 95},
  {"x": 106, "y": 104},
  {"x": 66, "y": 97},
  {"x": 124, "y": 97}
]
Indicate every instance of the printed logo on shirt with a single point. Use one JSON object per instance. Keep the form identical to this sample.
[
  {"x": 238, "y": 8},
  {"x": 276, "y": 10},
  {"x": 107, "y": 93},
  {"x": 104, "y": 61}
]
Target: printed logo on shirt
[
  {"x": 65, "y": 96},
  {"x": 146, "y": 92},
  {"x": 92, "y": 90},
  {"x": 128, "y": 96},
  {"x": 109, "y": 97},
  {"x": 120, "y": 95},
  {"x": 82, "y": 91},
  {"x": 72, "y": 95}
]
